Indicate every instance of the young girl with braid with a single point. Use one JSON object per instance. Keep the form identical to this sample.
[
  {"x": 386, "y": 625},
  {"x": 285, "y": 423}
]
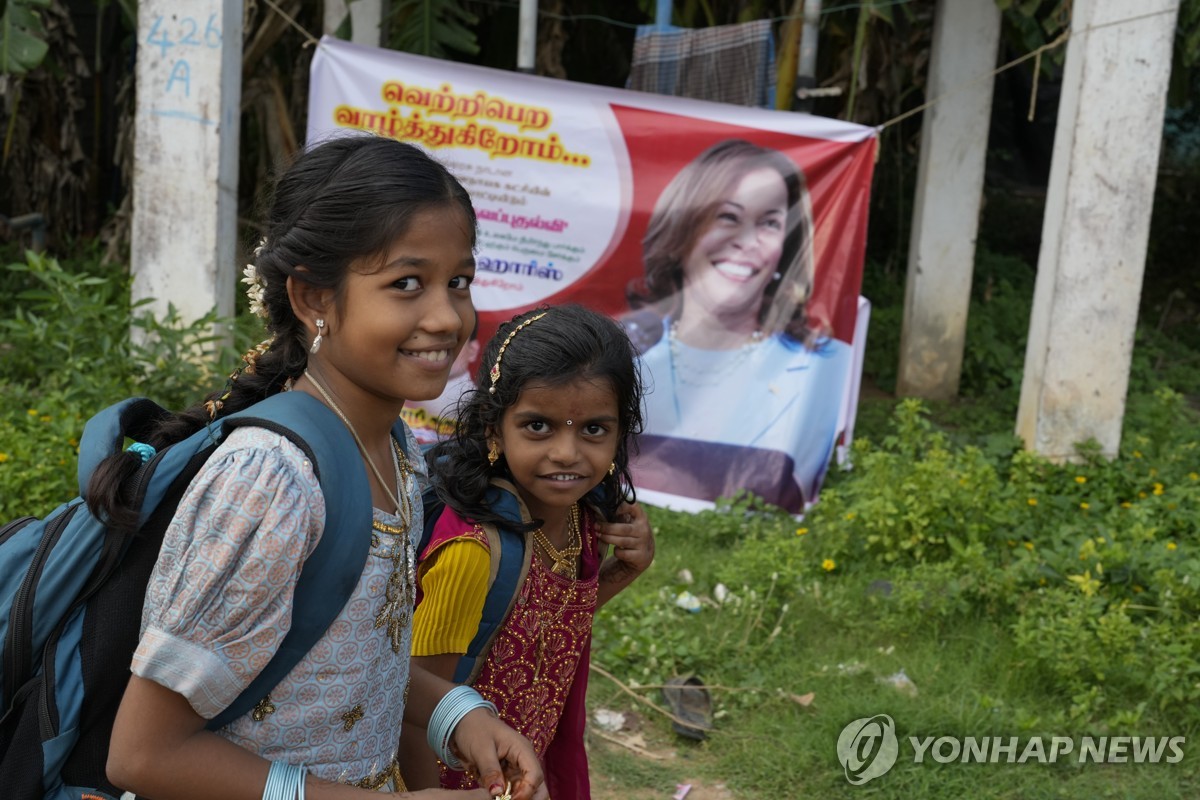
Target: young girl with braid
[
  {"x": 364, "y": 280},
  {"x": 541, "y": 447}
]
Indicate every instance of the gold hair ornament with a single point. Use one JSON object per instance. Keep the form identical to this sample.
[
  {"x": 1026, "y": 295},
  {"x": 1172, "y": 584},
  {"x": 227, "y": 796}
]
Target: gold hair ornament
[
  {"x": 494, "y": 372},
  {"x": 249, "y": 365}
]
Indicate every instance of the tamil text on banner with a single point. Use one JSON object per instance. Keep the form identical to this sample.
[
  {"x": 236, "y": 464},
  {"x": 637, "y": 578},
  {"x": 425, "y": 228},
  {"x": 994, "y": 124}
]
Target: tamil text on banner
[{"x": 728, "y": 240}]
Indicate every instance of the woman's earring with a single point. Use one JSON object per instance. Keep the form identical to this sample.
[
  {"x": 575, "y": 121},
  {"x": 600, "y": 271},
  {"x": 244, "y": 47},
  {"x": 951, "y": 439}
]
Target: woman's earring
[
  {"x": 612, "y": 468},
  {"x": 777, "y": 276},
  {"x": 316, "y": 345},
  {"x": 493, "y": 453}
]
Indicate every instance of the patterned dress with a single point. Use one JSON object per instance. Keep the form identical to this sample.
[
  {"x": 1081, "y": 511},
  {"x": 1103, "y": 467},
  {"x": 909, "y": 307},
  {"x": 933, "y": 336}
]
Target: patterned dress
[
  {"x": 219, "y": 603},
  {"x": 536, "y": 668}
]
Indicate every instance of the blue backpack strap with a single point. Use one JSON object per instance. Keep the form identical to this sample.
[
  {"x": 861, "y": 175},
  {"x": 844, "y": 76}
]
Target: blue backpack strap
[
  {"x": 503, "y": 589},
  {"x": 333, "y": 569}
]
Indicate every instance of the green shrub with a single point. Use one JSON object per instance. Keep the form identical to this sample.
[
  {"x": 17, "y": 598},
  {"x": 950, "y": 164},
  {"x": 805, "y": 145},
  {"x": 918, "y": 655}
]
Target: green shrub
[{"x": 72, "y": 346}]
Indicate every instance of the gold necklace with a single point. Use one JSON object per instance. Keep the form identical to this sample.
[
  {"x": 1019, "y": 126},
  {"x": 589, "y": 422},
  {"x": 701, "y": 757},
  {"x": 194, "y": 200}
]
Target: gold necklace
[
  {"x": 400, "y": 591},
  {"x": 714, "y": 372},
  {"x": 404, "y": 512},
  {"x": 566, "y": 561}
]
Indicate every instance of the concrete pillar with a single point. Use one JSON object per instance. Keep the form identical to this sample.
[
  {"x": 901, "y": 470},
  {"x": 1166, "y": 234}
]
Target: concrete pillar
[
  {"x": 941, "y": 256},
  {"x": 1097, "y": 223},
  {"x": 527, "y": 31},
  {"x": 334, "y": 12},
  {"x": 189, "y": 73},
  {"x": 366, "y": 20}
]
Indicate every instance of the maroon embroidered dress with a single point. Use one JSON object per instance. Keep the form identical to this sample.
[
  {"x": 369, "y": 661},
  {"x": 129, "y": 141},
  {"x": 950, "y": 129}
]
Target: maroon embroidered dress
[{"x": 537, "y": 667}]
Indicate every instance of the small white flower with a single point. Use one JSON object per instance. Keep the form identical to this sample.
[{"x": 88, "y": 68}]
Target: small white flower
[
  {"x": 684, "y": 576},
  {"x": 256, "y": 290},
  {"x": 720, "y": 592}
]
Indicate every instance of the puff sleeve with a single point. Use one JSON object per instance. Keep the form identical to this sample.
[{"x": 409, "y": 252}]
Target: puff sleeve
[{"x": 219, "y": 599}]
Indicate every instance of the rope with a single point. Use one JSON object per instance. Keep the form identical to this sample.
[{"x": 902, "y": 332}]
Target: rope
[
  {"x": 310, "y": 40},
  {"x": 1061, "y": 39},
  {"x": 1035, "y": 54}
]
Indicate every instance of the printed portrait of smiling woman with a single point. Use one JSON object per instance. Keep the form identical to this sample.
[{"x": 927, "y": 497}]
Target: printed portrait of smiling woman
[{"x": 729, "y": 355}]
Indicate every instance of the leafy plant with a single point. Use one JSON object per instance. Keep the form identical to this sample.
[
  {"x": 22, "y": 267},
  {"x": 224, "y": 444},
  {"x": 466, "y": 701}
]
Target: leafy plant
[
  {"x": 22, "y": 37},
  {"x": 431, "y": 27},
  {"x": 73, "y": 345}
]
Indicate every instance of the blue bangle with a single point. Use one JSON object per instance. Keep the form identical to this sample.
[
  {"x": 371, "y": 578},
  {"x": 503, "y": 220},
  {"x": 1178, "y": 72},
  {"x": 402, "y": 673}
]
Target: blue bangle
[
  {"x": 450, "y": 710},
  {"x": 143, "y": 451},
  {"x": 284, "y": 782}
]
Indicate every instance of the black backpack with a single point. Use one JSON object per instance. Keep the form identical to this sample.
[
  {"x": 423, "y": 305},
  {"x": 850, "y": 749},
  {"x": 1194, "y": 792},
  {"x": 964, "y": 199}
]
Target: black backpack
[{"x": 71, "y": 591}]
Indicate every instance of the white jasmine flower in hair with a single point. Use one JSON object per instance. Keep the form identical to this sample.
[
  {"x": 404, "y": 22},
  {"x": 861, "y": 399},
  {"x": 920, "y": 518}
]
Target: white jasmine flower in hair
[{"x": 255, "y": 291}]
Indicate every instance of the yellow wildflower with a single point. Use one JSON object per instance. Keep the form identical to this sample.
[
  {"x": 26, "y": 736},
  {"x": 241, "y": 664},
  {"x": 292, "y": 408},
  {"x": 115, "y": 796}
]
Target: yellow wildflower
[
  {"x": 1028, "y": 545},
  {"x": 1080, "y": 479},
  {"x": 33, "y": 412},
  {"x": 850, "y": 515},
  {"x": 801, "y": 531},
  {"x": 1172, "y": 546},
  {"x": 1137, "y": 454},
  {"x": 46, "y": 418},
  {"x": 1127, "y": 504},
  {"x": 1086, "y": 583},
  {"x": 829, "y": 565},
  {"x": 1084, "y": 506},
  {"x": 1158, "y": 488},
  {"x": 1032, "y": 501},
  {"x": 1141, "y": 495},
  {"x": 1194, "y": 476},
  {"x": 3, "y": 457},
  {"x": 73, "y": 442}
]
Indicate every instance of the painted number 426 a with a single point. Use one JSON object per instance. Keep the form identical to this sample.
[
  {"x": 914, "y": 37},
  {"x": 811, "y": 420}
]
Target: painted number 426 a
[{"x": 189, "y": 34}]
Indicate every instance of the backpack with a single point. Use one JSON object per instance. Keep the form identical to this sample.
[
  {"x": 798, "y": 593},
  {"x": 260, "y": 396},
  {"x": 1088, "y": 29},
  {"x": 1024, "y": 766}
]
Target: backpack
[
  {"x": 507, "y": 572},
  {"x": 71, "y": 591}
]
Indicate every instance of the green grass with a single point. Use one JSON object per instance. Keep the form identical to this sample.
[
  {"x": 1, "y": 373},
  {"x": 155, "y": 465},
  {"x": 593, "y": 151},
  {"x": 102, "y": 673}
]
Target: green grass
[{"x": 837, "y": 642}]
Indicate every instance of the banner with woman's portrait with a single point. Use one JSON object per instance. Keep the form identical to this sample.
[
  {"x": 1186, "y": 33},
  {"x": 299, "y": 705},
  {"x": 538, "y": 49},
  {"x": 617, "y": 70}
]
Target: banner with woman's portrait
[{"x": 728, "y": 240}]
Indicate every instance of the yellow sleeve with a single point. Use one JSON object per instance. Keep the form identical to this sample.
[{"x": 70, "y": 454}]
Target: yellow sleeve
[{"x": 454, "y": 586}]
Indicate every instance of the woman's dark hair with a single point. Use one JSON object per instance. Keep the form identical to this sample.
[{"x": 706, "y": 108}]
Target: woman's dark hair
[
  {"x": 689, "y": 205},
  {"x": 337, "y": 207},
  {"x": 569, "y": 343}
]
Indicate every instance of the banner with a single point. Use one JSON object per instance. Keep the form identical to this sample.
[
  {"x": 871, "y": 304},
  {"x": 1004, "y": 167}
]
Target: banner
[{"x": 728, "y": 240}]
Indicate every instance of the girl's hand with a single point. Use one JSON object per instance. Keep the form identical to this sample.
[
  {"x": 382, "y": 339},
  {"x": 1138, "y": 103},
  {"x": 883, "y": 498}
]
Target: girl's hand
[
  {"x": 485, "y": 743},
  {"x": 631, "y": 538},
  {"x": 633, "y": 550}
]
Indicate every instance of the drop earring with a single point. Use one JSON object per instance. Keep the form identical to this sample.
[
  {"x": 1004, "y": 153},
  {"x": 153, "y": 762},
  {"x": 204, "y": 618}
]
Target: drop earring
[
  {"x": 316, "y": 343},
  {"x": 612, "y": 468},
  {"x": 777, "y": 276},
  {"x": 493, "y": 453}
]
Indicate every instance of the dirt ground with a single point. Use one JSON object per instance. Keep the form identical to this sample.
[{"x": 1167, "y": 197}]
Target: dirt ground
[{"x": 606, "y": 788}]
